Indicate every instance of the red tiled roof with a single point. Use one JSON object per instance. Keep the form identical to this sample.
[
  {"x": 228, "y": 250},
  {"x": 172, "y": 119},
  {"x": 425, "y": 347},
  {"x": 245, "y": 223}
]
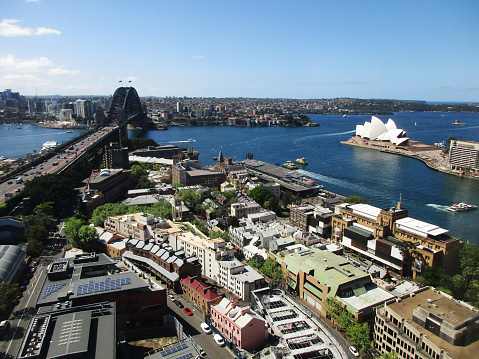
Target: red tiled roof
[{"x": 198, "y": 288}]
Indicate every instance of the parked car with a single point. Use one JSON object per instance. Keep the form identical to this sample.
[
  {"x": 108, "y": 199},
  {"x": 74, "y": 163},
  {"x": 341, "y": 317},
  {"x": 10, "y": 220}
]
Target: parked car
[
  {"x": 172, "y": 297},
  {"x": 354, "y": 351},
  {"x": 4, "y": 325},
  {"x": 219, "y": 340},
  {"x": 178, "y": 303},
  {"x": 206, "y": 328},
  {"x": 188, "y": 311}
]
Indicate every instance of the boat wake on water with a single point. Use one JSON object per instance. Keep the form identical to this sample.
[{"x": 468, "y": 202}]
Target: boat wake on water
[
  {"x": 187, "y": 141},
  {"x": 340, "y": 183},
  {"x": 322, "y": 135},
  {"x": 41, "y": 134},
  {"x": 439, "y": 207}
]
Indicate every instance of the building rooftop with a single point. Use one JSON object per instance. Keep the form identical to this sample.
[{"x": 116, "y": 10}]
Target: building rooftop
[
  {"x": 69, "y": 282},
  {"x": 419, "y": 227},
  {"x": 447, "y": 309},
  {"x": 74, "y": 332}
]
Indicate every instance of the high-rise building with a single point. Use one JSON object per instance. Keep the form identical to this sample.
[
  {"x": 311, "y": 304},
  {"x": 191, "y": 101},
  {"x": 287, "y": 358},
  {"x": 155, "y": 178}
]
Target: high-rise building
[
  {"x": 464, "y": 155},
  {"x": 179, "y": 107}
]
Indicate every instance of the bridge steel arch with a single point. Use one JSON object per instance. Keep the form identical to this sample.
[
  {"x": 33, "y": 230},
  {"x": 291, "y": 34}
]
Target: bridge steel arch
[{"x": 127, "y": 99}]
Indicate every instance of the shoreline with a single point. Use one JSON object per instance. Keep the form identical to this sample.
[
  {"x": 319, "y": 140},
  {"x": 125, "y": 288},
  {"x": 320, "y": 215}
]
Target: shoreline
[{"x": 432, "y": 156}]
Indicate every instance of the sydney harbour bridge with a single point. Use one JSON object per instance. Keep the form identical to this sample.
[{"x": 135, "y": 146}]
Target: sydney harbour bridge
[{"x": 126, "y": 108}]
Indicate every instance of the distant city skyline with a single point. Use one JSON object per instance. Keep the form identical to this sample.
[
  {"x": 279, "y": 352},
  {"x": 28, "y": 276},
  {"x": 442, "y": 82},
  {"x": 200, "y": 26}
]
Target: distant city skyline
[{"x": 268, "y": 49}]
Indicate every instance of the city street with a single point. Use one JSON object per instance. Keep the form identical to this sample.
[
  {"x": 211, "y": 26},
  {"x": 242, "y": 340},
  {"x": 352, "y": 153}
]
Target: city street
[{"x": 191, "y": 326}]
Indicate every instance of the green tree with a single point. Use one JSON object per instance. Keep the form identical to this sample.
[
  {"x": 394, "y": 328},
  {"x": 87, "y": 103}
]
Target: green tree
[
  {"x": 40, "y": 219},
  {"x": 72, "y": 228},
  {"x": 286, "y": 199},
  {"x": 46, "y": 208},
  {"x": 200, "y": 226},
  {"x": 260, "y": 194},
  {"x": 220, "y": 234},
  {"x": 100, "y": 214},
  {"x": 256, "y": 261},
  {"x": 10, "y": 293},
  {"x": 273, "y": 204},
  {"x": 232, "y": 221},
  {"x": 191, "y": 198},
  {"x": 88, "y": 238},
  {"x": 354, "y": 199},
  {"x": 34, "y": 248},
  {"x": 50, "y": 188},
  {"x": 359, "y": 336},
  {"x": 36, "y": 233},
  {"x": 469, "y": 262}
]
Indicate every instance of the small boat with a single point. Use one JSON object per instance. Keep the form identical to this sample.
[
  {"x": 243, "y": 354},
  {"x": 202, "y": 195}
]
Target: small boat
[
  {"x": 461, "y": 207},
  {"x": 215, "y": 158},
  {"x": 301, "y": 161},
  {"x": 345, "y": 115},
  {"x": 290, "y": 165},
  {"x": 69, "y": 132},
  {"x": 459, "y": 123},
  {"x": 191, "y": 140}
]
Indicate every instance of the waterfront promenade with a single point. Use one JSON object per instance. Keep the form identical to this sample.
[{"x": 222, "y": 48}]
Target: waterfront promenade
[{"x": 433, "y": 156}]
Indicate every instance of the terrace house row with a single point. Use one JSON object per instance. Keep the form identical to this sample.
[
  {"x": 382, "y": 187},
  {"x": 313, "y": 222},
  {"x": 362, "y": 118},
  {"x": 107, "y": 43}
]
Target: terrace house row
[{"x": 162, "y": 261}]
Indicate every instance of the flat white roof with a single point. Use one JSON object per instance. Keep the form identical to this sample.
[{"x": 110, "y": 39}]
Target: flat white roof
[
  {"x": 371, "y": 298},
  {"x": 419, "y": 227},
  {"x": 366, "y": 210}
]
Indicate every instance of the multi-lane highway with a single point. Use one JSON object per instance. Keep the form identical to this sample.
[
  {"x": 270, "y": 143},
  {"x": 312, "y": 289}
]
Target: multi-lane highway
[{"x": 53, "y": 165}]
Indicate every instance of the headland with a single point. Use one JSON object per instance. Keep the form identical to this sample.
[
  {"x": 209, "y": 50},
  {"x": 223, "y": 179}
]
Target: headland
[{"x": 433, "y": 156}]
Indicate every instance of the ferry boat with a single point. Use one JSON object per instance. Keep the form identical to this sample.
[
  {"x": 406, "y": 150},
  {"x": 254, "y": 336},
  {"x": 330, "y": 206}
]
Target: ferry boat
[
  {"x": 301, "y": 161},
  {"x": 290, "y": 165},
  {"x": 459, "y": 123},
  {"x": 460, "y": 207}
]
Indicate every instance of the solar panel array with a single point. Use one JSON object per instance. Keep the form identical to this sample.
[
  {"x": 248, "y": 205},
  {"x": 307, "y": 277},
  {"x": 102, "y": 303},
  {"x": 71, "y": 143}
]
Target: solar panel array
[
  {"x": 3, "y": 251},
  {"x": 49, "y": 289},
  {"x": 103, "y": 286},
  {"x": 176, "y": 349},
  {"x": 186, "y": 356}
]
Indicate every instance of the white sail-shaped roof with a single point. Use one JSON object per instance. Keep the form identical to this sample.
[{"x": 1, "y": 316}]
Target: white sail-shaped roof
[
  {"x": 377, "y": 130},
  {"x": 366, "y": 130},
  {"x": 359, "y": 130}
]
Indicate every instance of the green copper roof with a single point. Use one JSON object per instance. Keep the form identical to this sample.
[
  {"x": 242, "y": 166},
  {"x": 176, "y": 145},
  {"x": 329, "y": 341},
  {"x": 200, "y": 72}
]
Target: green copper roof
[{"x": 327, "y": 268}]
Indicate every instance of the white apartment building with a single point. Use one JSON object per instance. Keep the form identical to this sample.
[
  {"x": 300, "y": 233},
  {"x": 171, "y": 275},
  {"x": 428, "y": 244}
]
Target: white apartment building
[
  {"x": 207, "y": 250},
  {"x": 136, "y": 225},
  {"x": 238, "y": 278},
  {"x": 241, "y": 210}
]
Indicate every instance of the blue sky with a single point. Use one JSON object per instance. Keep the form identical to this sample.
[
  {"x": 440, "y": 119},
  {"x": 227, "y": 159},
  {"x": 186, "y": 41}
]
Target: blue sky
[{"x": 423, "y": 50}]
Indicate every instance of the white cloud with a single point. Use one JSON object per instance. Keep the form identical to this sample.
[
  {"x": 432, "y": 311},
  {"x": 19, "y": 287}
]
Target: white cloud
[
  {"x": 62, "y": 71},
  {"x": 9, "y": 63},
  {"x": 9, "y": 27},
  {"x": 198, "y": 57}
]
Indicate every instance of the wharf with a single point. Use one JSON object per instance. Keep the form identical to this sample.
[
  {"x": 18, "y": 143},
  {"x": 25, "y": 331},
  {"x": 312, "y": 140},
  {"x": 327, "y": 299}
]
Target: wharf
[{"x": 432, "y": 156}]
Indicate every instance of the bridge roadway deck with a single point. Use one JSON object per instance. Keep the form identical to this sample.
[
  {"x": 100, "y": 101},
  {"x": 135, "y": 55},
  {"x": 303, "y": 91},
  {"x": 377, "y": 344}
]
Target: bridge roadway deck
[{"x": 65, "y": 157}]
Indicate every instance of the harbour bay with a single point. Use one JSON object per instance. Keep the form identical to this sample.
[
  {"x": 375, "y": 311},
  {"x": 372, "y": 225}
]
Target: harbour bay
[{"x": 381, "y": 178}]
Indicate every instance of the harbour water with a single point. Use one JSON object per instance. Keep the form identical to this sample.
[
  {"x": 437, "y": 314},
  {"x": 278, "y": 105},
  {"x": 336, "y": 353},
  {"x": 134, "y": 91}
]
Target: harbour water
[
  {"x": 17, "y": 140},
  {"x": 381, "y": 178}
]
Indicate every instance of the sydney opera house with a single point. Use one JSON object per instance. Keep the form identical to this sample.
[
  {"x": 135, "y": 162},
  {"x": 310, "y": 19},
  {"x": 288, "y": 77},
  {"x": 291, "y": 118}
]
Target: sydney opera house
[{"x": 376, "y": 130}]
